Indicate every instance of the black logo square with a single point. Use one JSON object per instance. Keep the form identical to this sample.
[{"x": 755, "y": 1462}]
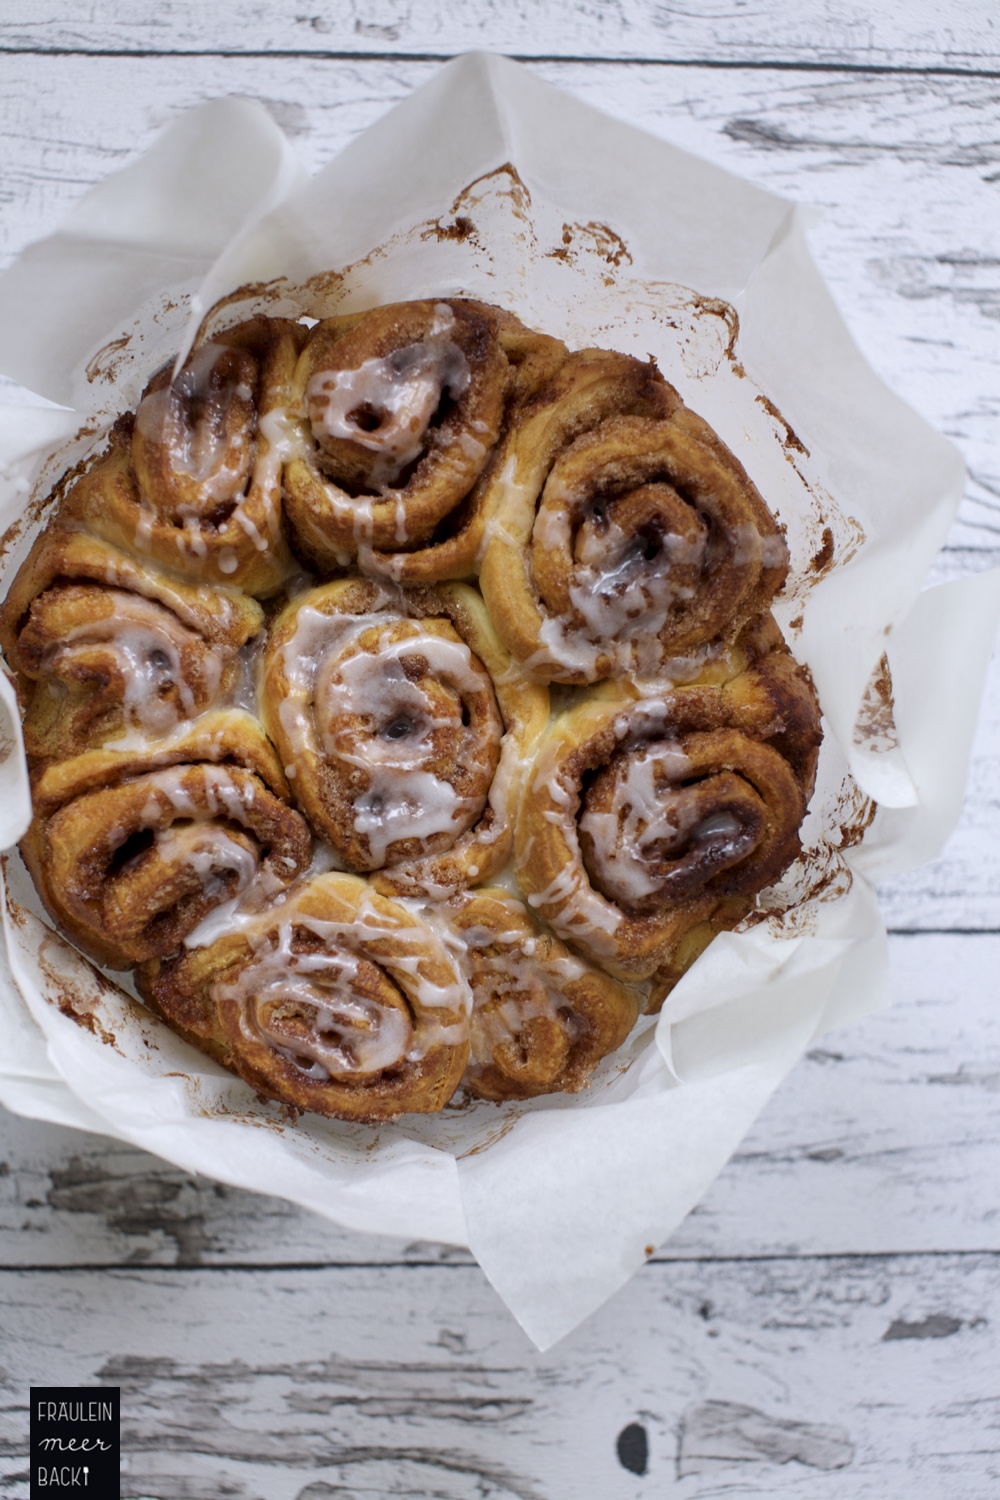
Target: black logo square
[{"x": 75, "y": 1441}]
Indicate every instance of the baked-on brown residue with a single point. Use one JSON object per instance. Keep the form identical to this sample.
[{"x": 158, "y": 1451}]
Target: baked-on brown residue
[
  {"x": 715, "y": 307},
  {"x": 492, "y": 1136},
  {"x": 104, "y": 361},
  {"x": 67, "y": 995},
  {"x": 459, "y": 229},
  {"x": 258, "y": 291},
  {"x": 595, "y": 237},
  {"x": 875, "y": 726},
  {"x": 790, "y": 440},
  {"x": 45, "y": 499},
  {"x": 514, "y": 189},
  {"x": 823, "y": 556}
]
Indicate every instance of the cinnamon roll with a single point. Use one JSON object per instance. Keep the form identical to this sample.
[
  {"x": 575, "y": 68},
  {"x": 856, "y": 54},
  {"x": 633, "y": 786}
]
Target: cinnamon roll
[
  {"x": 336, "y": 1000},
  {"x": 631, "y": 536},
  {"x": 404, "y": 729},
  {"x": 132, "y": 849},
  {"x": 400, "y": 731},
  {"x": 403, "y": 412},
  {"x": 193, "y": 478},
  {"x": 652, "y": 822},
  {"x": 105, "y": 644},
  {"x": 542, "y": 1019}
]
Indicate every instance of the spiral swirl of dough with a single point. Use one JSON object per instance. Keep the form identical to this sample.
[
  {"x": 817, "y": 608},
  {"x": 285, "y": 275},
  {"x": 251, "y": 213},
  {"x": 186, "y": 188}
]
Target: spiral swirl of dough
[
  {"x": 651, "y": 819},
  {"x": 106, "y": 644},
  {"x": 403, "y": 729},
  {"x": 542, "y": 1018},
  {"x": 192, "y": 480},
  {"x": 131, "y": 850},
  {"x": 632, "y": 538},
  {"x": 405, "y": 409},
  {"x": 336, "y": 1000}
]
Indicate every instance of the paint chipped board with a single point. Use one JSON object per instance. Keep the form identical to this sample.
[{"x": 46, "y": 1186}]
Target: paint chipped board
[
  {"x": 851, "y": 1380},
  {"x": 891, "y": 34},
  {"x": 961, "y": 888},
  {"x": 901, "y": 169},
  {"x": 860, "y": 1379},
  {"x": 881, "y": 1140}
]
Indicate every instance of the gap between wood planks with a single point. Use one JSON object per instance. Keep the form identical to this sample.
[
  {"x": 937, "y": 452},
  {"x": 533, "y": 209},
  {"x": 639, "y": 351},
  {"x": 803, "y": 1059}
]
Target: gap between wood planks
[
  {"x": 936, "y": 70},
  {"x": 467, "y": 1262}
]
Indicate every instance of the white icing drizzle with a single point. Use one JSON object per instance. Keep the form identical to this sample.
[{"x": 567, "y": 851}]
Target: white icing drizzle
[
  {"x": 348, "y": 1035},
  {"x": 215, "y": 460},
  {"x": 513, "y": 988},
  {"x": 242, "y": 912},
  {"x": 351, "y": 1035},
  {"x": 618, "y": 590},
  {"x": 148, "y": 650},
  {"x": 243, "y": 692},
  {"x": 335, "y": 676},
  {"x": 386, "y": 405},
  {"x": 643, "y": 814},
  {"x": 749, "y": 548},
  {"x": 508, "y": 501},
  {"x": 281, "y": 441},
  {"x": 624, "y": 590},
  {"x": 223, "y": 798},
  {"x": 211, "y": 854},
  {"x": 569, "y": 903}
]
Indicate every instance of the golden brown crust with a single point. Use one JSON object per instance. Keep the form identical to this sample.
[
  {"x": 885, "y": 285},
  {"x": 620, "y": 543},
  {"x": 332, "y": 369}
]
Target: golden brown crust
[
  {"x": 407, "y": 490},
  {"x": 131, "y": 850},
  {"x": 630, "y": 536},
  {"x": 404, "y": 727},
  {"x": 105, "y": 644},
  {"x": 542, "y": 1019},
  {"x": 649, "y": 817},
  {"x": 338, "y": 1001},
  {"x": 623, "y": 552},
  {"x": 193, "y": 479}
]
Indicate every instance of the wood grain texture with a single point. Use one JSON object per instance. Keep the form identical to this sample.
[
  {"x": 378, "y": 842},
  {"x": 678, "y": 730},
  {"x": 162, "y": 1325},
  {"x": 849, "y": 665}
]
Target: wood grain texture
[
  {"x": 885, "y": 1138},
  {"x": 824, "y": 1324},
  {"x": 961, "y": 888},
  {"x": 872, "y": 1380},
  {"x": 888, "y": 34}
]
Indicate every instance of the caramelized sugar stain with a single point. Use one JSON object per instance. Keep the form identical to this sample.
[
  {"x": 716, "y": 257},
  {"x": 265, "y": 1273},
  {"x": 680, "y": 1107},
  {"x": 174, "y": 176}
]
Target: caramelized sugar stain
[
  {"x": 821, "y": 559},
  {"x": 505, "y": 1126},
  {"x": 594, "y": 237},
  {"x": 715, "y": 307},
  {"x": 257, "y": 292},
  {"x": 45, "y": 497},
  {"x": 790, "y": 440},
  {"x": 506, "y": 182},
  {"x": 67, "y": 996},
  {"x": 460, "y": 229},
  {"x": 875, "y": 726},
  {"x": 105, "y": 363}
]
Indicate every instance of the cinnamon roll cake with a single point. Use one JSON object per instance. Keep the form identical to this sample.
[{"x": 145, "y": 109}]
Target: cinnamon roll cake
[{"x": 403, "y": 705}]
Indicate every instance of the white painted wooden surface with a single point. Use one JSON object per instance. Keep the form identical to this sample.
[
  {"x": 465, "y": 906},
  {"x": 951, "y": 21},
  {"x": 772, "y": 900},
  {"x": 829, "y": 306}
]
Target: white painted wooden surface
[{"x": 825, "y": 1323}]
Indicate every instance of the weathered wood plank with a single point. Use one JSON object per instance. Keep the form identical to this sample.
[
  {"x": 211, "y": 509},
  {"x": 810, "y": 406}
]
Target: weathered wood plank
[
  {"x": 853, "y": 1380},
  {"x": 881, "y": 1140},
  {"x": 814, "y": 32},
  {"x": 901, "y": 168},
  {"x": 961, "y": 888}
]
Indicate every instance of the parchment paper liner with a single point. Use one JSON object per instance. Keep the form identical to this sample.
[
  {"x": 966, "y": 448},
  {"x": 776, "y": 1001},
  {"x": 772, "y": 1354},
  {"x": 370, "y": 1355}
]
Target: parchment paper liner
[{"x": 490, "y": 183}]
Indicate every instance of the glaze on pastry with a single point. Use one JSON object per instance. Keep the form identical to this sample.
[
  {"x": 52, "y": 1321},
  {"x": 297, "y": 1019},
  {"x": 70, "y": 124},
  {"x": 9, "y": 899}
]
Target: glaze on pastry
[{"x": 285, "y": 652}]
